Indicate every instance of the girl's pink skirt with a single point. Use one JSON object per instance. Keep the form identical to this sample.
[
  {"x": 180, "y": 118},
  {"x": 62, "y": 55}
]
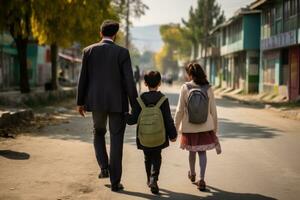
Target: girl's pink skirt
[{"x": 201, "y": 141}]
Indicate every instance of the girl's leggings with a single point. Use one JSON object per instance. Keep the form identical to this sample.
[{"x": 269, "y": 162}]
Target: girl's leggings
[{"x": 202, "y": 162}]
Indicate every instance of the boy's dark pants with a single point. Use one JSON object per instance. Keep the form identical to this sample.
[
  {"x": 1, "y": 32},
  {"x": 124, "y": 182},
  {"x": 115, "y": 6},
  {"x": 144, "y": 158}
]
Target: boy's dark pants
[
  {"x": 117, "y": 126},
  {"x": 152, "y": 163}
]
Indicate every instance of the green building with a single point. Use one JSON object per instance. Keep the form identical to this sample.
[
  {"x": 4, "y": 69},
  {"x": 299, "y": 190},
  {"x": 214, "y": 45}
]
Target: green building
[
  {"x": 38, "y": 63},
  {"x": 280, "y": 47},
  {"x": 239, "y": 49}
]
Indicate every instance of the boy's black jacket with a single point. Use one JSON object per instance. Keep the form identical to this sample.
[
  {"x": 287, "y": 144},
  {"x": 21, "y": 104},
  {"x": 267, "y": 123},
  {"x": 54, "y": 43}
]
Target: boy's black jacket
[{"x": 149, "y": 98}]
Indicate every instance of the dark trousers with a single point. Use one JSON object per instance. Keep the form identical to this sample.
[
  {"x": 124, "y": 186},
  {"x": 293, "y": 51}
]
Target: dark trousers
[
  {"x": 152, "y": 163},
  {"x": 117, "y": 126}
]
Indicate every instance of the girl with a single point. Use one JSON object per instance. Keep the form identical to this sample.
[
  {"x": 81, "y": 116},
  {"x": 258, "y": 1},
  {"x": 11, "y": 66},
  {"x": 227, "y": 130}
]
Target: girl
[{"x": 197, "y": 138}]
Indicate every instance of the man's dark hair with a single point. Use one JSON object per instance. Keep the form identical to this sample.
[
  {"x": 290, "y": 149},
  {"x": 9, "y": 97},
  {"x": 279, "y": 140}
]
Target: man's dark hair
[
  {"x": 152, "y": 78},
  {"x": 109, "y": 28}
]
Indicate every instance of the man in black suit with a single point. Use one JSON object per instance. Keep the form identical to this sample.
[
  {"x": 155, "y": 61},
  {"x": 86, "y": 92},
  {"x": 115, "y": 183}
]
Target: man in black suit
[{"x": 105, "y": 85}]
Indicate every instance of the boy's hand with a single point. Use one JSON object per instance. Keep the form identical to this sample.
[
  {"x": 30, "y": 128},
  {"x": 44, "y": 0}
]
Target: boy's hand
[
  {"x": 81, "y": 110},
  {"x": 173, "y": 140}
]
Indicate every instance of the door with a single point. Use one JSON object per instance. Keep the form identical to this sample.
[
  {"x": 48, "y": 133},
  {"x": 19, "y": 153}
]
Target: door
[{"x": 294, "y": 73}]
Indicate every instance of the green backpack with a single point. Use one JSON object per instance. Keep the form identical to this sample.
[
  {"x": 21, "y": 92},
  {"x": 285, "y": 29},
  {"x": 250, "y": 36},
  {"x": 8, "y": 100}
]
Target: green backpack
[{"x": 151, "y": 127}]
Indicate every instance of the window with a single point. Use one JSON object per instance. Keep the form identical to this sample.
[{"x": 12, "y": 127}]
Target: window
[
  {"x": 224, "y": 37},
  {"x": 254, "y": 60},
  {"x": 272, "y": 21},
  {"x": 286, "y": 10},
  {"x": 278, "y": 19},
  {"x": 293, "y": 7}
]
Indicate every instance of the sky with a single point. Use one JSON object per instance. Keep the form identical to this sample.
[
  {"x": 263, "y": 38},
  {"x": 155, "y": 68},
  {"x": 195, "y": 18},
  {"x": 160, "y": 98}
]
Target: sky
[{"x": 167, "y": 11}]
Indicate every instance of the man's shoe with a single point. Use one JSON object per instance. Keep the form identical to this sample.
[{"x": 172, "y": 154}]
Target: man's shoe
[
  {"x": 117, "y": 187},
  {"x": 154, "y": 187},
  {"x": 104, "y": 173}
]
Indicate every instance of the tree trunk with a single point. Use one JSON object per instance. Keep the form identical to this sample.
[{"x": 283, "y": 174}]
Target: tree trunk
[
  {"x": 54, "y": 51},
  {"x": 194, "y": 51},
  {"x": 205, "y": 33},
  {"x": 21, "y": 44},
  {"x": 205, "y": 54},
  {"x": 127, "y": 24}
]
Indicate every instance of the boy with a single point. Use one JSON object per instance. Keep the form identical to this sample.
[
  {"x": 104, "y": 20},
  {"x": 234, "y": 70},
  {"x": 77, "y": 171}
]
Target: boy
[{"x": 152, "y": 147}]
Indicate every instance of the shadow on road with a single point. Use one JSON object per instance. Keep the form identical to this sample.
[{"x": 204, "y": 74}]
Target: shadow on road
[
  {"x": 14, "y": 155},
  {"x": 214, "y": 194},
  {"x": 230, "y": 129},
  {"x": 233, "y": 104},
  {"x": 173, "y": 98}
]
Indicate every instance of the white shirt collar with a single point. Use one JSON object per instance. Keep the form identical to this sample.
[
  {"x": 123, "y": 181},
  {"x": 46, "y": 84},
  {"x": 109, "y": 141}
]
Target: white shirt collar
[{"x": 107, "y": 39}]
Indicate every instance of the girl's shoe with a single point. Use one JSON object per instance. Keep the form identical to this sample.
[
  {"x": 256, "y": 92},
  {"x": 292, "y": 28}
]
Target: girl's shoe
[
  {"x": 192, "y": 177},
  {"x": 201, "y": 185},
  {"x": 153, "y": 186}
]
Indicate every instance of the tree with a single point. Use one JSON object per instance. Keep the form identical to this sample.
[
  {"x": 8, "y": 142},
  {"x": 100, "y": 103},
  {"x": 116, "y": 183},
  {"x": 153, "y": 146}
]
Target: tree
[
  {"x": 64, "y": 21},
  {"x": 192, "y": 30},
  {"x": 128, "y": 8},
  {"x": 15, "y": 17},
  {"x": 201, "y": 20},
  {"x": 175, "y": 47}
]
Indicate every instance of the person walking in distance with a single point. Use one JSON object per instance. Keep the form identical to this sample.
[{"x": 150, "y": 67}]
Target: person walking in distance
[
  {"x": 105, "y": 85},
  {"x": 137, "y": 77}
]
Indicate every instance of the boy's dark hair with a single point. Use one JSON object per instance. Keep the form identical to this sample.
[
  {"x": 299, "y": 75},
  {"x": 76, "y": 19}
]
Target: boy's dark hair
[
  {"x": 109, "y": 28},
  {"x": 152, "y": 78}
]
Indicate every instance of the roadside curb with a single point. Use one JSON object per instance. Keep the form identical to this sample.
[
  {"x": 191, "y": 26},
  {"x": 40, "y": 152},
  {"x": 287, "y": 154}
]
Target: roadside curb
[
  {"x": 290, "y": 114},
  {"x": 14, "y": 117},
  {"x": 15, "y": 99},
  {"x": 15, "y": 107}
]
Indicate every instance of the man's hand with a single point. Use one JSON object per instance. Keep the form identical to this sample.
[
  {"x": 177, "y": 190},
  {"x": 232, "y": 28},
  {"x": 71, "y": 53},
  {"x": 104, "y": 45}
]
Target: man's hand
[
  {"x": 81, "y": 110},
  {"x": 173, "y": 140}
]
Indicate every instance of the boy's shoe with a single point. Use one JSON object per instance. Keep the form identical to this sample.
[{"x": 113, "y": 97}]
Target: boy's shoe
[
  {"x": 192, "y": 177},
  {"x": 153, "y": 186},
  {"x": 117, "y": 187},
  {"x": 201, "y": 185},
  {"x": 104, "y": 173}
]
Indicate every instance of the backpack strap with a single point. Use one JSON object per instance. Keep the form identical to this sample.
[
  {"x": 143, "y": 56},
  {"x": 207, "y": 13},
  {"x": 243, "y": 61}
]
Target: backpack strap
[
  {"x": 190, "y": 86},
  {"x": 161, "y": 101},
  {"x": 140, "y": 101}
]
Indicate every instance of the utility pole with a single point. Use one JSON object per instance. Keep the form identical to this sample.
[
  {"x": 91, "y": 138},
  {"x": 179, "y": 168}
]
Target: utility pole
[
  {"x": 1, "y": 60},
  {"x": 127, "y": 23},
  {"x": 206, "y": 7}
]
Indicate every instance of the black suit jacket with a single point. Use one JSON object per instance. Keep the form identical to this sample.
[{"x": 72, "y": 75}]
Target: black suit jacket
[{"x": 106, "y": 79}]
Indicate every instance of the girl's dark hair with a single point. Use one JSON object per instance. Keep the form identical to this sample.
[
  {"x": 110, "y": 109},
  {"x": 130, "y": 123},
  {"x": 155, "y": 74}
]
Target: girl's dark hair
[{"x": 197, "y": 73}]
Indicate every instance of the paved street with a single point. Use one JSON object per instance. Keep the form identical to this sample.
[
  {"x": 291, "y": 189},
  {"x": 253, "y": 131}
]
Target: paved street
[{"x": 260, "y": 161}]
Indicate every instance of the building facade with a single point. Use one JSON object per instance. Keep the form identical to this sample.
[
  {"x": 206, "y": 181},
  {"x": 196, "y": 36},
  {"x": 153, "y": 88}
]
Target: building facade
[
  {"x": 213, "y": 58},
  {"x": 38, "y": 63},
  {"x": 240, "y": 41},
  {"x": 280, "y": 47}
]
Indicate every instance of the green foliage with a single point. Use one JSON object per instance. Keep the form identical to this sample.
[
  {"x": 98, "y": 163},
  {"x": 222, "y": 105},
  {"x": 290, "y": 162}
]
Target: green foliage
[
  {"x": 137, "y": 7},
  {"x": 176, "y": 46},
  {"x": 201, "y": 20},
  {"x": 15, "y": 17},
  {"x": 65, "y": 21},
  {"x": 127, "y": 9}
]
